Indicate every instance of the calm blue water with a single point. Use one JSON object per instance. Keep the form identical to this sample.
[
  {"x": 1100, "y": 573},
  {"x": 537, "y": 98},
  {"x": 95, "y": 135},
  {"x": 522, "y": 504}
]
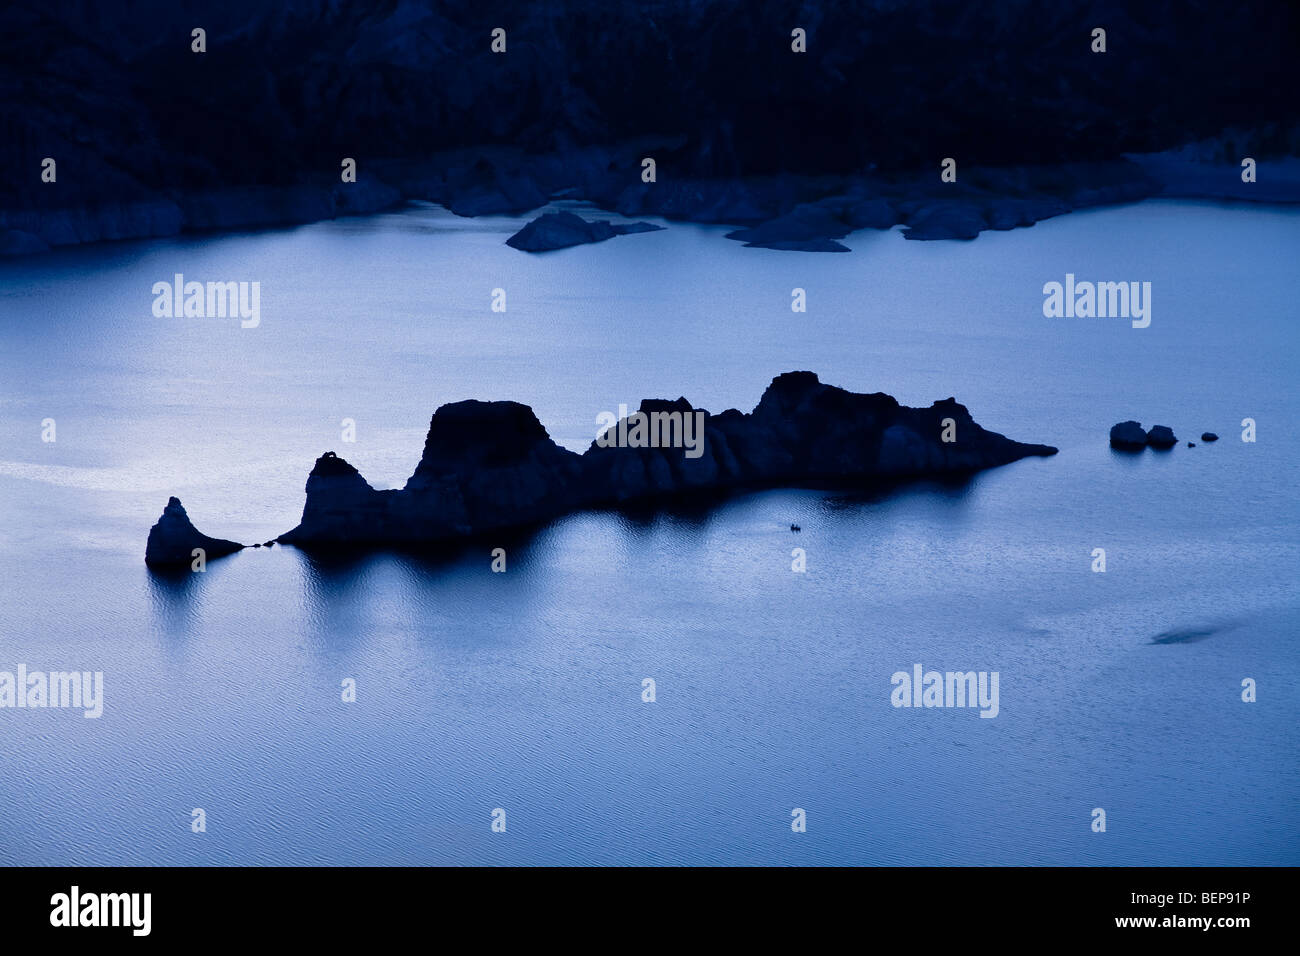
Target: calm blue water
[{"x": 523, "y": 690}]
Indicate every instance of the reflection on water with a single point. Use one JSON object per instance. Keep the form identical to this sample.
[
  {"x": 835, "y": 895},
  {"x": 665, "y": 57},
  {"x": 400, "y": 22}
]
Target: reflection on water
[{"x": 175, "y": 595}]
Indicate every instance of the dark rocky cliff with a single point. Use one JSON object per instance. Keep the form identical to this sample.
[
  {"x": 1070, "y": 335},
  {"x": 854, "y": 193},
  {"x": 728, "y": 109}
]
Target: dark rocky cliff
[{"x": 152, "y": 139}]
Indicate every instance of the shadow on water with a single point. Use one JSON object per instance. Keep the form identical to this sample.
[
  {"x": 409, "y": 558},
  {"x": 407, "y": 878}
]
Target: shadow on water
[
  {"x": 951, "y": 494},
  {"x": 336, "y": 578},
  {"x": 344, "y": 588},
  {"x": 472, "y": 559},
  {"x": 330, "y": 569},
  {"x": 697, "y": 512},
  {"x": 337, "y": 595},
  {"x": 427, "y": 592},
  {"x": 693, "y": 513},
  {"x": 1190, "y": 635},
  {"x": 1129, "y": 458},
  {"x": 340, "y": 584},
  {"x": 175, "y": 594}
]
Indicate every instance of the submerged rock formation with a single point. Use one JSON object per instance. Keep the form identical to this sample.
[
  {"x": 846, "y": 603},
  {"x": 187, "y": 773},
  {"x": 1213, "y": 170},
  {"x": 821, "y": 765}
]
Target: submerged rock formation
[
  {"x": 560, "y": 230},
  {"x": 173, "y": 539},
  {"x": 491, "y": 465}
]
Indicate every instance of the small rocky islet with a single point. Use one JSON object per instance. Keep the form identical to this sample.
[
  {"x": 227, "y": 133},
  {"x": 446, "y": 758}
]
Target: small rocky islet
[
  {"x": 491, "y": 466},
  {"x": 561, "y": 230},
  {"x": 1131, "y": 436},
  {"x": 174, "y": 539}
]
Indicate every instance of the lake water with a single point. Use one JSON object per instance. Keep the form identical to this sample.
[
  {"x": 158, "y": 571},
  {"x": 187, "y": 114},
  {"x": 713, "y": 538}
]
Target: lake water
[{"x": 522, "y": 690}]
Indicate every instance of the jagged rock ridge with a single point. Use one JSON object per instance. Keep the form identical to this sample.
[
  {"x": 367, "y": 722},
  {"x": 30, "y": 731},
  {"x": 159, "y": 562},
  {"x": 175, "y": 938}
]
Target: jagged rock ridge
[{"x": 488, "y": 466}]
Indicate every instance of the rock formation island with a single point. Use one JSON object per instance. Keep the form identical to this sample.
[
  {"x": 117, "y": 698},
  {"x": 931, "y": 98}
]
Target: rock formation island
[{"x": 490, "y": 466}]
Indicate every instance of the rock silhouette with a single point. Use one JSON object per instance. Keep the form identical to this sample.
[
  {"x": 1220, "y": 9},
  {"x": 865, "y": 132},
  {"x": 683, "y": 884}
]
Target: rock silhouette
[
  {"x": 173, "y": 539},
  {"x": 489, "y": 466},
  {"x": 1131, "y": 436},
  {"x": 1162, "y": 437},
  {"x": 1128, "y": 436}
]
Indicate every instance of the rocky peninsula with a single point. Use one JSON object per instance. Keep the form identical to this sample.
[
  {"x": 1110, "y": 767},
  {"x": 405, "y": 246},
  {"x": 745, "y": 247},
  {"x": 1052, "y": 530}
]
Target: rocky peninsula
[{"x": 491, "y": 466}]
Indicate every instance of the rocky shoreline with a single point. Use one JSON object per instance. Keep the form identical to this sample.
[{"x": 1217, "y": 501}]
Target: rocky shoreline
[
  {"x": 491, "y": 466},
  {"x": 793, "y": 212},
  {"x": 793, "y": 125}
]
